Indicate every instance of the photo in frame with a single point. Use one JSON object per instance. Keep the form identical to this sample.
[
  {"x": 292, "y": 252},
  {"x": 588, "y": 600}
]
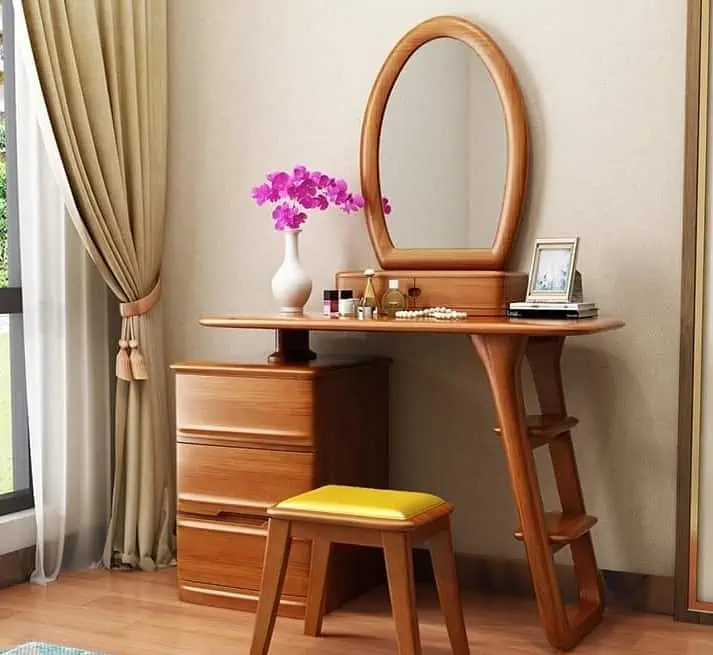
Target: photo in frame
[{"x": 552, "y": 271}]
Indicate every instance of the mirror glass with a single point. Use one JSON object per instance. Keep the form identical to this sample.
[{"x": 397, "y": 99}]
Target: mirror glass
[{"x": 443, "y": 155}]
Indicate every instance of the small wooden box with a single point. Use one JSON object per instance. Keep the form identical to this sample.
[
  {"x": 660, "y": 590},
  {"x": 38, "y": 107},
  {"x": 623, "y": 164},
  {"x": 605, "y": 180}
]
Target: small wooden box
[
  {"x": 478, "y": 293},
  {"x": 250, "y": 435}
]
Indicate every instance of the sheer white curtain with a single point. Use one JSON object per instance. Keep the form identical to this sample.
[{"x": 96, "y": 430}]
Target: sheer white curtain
[{"x": 66, "y": 344}]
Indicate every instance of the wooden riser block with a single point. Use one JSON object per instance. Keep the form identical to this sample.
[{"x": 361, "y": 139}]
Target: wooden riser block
[{"x": 563, "y": 528}]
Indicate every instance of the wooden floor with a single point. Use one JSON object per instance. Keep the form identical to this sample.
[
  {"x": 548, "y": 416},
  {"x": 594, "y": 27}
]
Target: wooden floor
[{"x": 138, "y": 613}]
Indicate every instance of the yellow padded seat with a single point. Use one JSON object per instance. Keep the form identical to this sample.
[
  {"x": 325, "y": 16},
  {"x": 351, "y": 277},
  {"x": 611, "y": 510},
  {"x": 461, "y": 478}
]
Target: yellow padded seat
[{"x": 358, "y": 501}]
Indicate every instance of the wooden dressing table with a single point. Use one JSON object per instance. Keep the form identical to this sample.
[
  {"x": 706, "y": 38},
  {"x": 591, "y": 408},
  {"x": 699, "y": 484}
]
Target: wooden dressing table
[
  {"x": 502, "y": 344},
  {"x": 464, "y": 266}
]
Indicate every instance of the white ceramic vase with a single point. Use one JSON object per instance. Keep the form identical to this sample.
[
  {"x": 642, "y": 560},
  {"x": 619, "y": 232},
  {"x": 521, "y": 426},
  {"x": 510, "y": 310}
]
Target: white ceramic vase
[{"x": 291, "y": 286}]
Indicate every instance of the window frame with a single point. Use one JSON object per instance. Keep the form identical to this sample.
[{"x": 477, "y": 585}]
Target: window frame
[{"x": 11, "y": 297}]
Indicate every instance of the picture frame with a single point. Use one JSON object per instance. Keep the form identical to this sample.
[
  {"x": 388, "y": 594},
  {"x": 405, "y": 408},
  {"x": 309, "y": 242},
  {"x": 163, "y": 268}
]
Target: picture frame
[{"x": 552, "y": 271}]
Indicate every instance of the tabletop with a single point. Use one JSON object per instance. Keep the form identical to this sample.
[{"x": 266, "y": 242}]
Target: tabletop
[{"x": 471, "y": 325}]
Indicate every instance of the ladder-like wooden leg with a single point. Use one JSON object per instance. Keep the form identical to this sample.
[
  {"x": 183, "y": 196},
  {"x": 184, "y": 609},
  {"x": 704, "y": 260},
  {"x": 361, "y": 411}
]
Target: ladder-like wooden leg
[
  {"x": 544, "y": 356},
  {"x": 502, "y": 356}
]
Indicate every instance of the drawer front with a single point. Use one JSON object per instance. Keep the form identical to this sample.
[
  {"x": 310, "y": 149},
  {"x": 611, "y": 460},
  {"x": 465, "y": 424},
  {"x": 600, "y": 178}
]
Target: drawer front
[
  {"x": 245, "y": 409},
  {"x": 230, "y": 554},
  {"x": 220, "y": 480},
  {"x": 479, "y": 295}
]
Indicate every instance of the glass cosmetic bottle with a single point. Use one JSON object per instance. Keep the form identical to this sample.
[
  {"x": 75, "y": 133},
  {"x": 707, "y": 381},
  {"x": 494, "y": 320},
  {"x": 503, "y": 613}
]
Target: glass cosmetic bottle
[
  {"x": 393, "y": 300},
  {"x": 347, "y": 303},
  {"x": 368, "y": 300}
]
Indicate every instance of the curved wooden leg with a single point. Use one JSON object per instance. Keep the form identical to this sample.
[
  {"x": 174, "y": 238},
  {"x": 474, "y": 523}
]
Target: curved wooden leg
[
  {"x": 273, "y": 577},
  {"x": 317, "y": 593},
  {"x": 402, "y": 589},
  {"x": 444, "y": 570},
  {"x": 502, "y": 356},
  {"x": 544, "y": 355}
]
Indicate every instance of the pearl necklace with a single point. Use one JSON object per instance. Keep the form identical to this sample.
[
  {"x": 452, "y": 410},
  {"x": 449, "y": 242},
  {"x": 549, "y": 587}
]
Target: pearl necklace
[{"x": 431, "y": 312}]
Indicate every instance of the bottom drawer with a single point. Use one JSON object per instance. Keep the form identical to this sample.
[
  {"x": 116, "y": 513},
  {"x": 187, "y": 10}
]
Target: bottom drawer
[{"x": 230, "y": 554}]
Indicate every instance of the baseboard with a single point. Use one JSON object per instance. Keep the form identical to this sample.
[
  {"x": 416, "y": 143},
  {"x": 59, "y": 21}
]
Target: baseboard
[
  {"x": 16, "y": 567},
  {"x": 507, "y": 577},
  {"x": 487, "y": 575}
]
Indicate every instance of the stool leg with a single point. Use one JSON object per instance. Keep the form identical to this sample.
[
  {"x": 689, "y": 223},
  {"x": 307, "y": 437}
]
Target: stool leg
[
  {"x": 399, "y": 570},
  {"x": 317, "y": 594},
  {"x": 273, "y": 576},
  {"x": 444, "y": 570}
]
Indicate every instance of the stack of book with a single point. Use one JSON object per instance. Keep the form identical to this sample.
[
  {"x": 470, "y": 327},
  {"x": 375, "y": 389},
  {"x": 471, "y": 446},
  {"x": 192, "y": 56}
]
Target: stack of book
[{"x": 553, "y": 309}]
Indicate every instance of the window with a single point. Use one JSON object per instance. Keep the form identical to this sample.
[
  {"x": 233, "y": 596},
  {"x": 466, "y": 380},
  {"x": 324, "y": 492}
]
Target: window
[{"x": 15, "y": 487}]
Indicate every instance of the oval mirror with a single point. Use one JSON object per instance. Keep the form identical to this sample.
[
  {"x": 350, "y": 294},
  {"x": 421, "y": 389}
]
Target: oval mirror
[
  {"x": 445, "y": 140},
  {"x": 443, "y": 151}
]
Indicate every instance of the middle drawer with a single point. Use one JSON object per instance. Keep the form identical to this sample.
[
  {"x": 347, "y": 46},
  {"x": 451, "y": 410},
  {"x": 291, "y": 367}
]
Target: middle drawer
[{"x": 215, "y": 480}]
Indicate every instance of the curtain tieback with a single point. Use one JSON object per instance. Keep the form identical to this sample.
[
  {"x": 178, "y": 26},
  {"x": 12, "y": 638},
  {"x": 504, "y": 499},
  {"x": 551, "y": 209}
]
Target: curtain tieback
[
  {"x": 130, "y": 362},
  {"x": 142, "y": 305}
]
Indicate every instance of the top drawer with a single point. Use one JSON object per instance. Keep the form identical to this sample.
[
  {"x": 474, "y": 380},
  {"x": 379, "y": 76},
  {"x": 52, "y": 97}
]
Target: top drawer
[{"x": 245, "y": 410}]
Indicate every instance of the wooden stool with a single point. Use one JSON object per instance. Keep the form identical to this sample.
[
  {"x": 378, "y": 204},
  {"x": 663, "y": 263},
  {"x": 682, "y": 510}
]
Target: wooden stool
[{"x": 384, "y": 518}]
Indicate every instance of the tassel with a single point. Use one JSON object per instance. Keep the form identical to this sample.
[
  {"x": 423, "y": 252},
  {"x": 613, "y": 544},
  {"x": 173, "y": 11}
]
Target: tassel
[
  {"x": 123, "y": 365},
  {"x": 139, "y": 370}
]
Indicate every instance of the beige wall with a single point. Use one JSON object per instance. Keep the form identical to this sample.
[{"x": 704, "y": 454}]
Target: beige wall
[{"x": 260, "y": 85}]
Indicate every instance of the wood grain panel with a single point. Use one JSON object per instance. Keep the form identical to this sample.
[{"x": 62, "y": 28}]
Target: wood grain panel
[
  {"x": 232, "y": 598},
  {"x": 227, "y": 478},
  {"x": 140, "y": 614},
  {"x": 245, "y": 408},
  {"x": 254, "y": 367},
  {"x": 480, "y": 326},
  {"x": 479, "y": 293},
  {"x": 215, "y": 480},
  {"x": 230, "y": 555}
]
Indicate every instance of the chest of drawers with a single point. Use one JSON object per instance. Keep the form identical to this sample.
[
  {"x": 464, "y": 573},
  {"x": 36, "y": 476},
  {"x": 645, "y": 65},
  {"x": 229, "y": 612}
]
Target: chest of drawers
[{"x": 250, "y": 435}]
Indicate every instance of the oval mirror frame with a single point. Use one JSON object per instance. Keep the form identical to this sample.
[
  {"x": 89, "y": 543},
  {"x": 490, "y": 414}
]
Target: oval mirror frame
[{"x": 502, "y": 74}]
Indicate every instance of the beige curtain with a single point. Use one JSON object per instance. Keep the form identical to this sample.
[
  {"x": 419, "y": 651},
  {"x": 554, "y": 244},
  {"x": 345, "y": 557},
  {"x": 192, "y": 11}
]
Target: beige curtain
[{"x": 102, "y": 66}]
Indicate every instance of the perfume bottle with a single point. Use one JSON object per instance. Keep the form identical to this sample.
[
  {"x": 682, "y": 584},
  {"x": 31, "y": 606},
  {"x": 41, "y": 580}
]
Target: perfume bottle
[
  {"x": 368, "y": 300},
  {"x": 393, "y": 300}
]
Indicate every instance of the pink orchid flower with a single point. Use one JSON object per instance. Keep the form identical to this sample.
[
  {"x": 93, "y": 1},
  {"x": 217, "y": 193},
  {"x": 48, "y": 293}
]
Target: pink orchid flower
[{"x": 305, "y": 190}]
